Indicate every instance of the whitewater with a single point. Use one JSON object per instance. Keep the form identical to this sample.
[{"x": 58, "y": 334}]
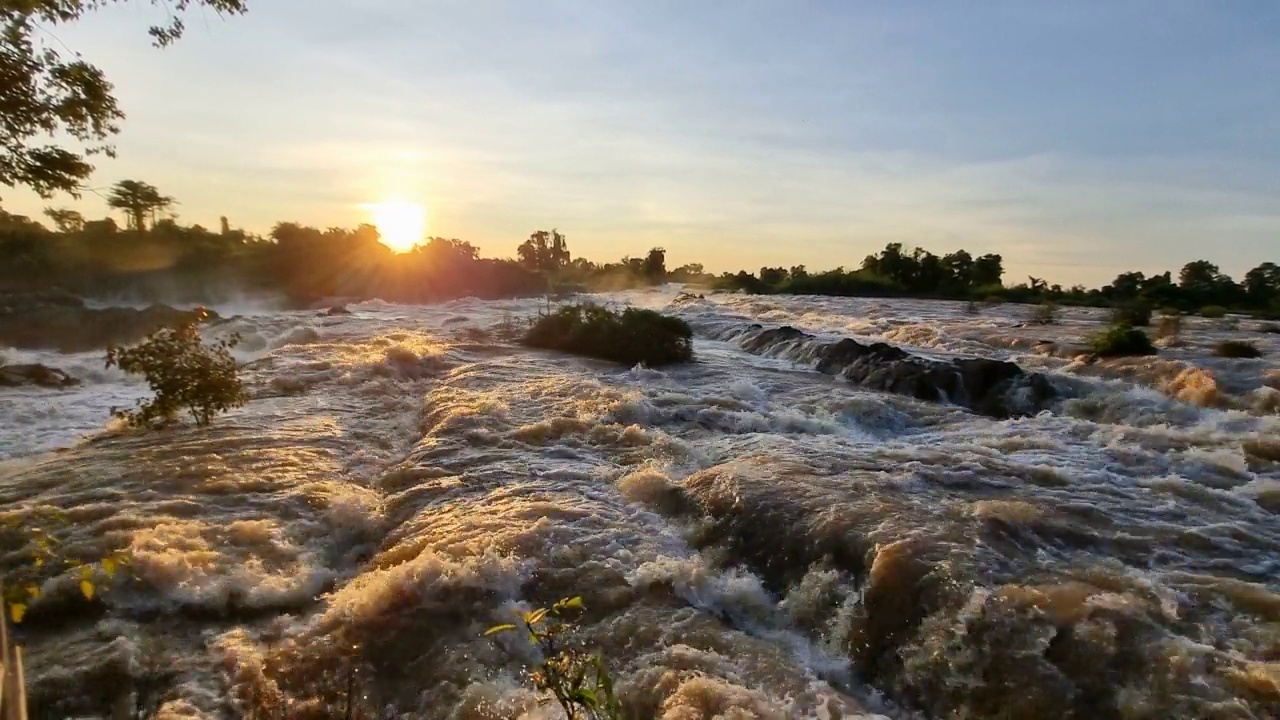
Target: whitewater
[{"x": 752, "y": 538}]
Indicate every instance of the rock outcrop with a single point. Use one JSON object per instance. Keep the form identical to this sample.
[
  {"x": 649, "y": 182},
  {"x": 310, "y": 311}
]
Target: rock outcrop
[
  {"x": 35, "y": 374},
  {"x": 59, "y": 321},
  {"x": 996, "y": 388}
]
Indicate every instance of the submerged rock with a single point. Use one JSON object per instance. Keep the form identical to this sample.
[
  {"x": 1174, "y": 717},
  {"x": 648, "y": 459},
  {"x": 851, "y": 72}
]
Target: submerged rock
[
  {"x": 337, "y": 310},
  {"x": 58, "y": 321},
  {"x": 991, "y": 387},
  {"x": 35, "y": 374}
]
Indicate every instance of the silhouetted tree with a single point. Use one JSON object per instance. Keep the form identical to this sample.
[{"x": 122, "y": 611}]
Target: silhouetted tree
[
  {"x": 1262, "y": 284},
  {"x": 544, "y": 251},
  {"x": 67, "y": 221},
  {"x": 655, "y": 265},
  {"x": 139, "y": 201}
]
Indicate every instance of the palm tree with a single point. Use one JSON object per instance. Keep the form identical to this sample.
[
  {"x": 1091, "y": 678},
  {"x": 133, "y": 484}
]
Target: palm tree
[{"x": 139, "y": 201}]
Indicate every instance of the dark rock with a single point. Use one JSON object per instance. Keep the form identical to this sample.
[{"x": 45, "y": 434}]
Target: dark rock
[
  {"x": 35, "y": 374},
  {"x": 774, "y": 338},
  {"x": 991, "y": 387},
  {"x": 12, "y": 302},
  {"x": 337, "y": 310},
  {"x": 61, "y": 322}
]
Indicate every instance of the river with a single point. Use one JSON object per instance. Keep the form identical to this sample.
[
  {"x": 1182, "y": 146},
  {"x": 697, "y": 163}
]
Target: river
[{"x": 751, "y": 538}]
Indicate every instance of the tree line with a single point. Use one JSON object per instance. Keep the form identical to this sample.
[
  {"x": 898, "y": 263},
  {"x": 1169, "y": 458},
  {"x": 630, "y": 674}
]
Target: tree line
[
  {"x": 894, "y": 272},
  {"x": 154, "y": 256}
]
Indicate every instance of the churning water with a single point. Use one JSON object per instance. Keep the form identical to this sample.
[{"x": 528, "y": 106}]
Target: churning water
[{"x": 752, "y": 538}]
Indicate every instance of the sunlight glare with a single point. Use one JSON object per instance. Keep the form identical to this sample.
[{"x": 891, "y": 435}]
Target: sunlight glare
[{"x": 402, "y": 225}]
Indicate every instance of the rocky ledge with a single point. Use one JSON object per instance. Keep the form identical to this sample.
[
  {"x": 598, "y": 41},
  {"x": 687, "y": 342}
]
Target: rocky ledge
[
  {"x": 35, "y": 374},
  {"x": 58, "y": 321},
  {"x": 996, "y": 388}
]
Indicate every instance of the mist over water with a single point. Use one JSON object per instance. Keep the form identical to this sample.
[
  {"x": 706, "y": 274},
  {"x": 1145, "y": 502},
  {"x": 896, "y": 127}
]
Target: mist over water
[{"x": 752, "y": 538}]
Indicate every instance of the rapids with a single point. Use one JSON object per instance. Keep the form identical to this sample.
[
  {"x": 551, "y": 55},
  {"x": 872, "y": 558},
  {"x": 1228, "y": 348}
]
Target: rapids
[{"x": 752, "y": 538}]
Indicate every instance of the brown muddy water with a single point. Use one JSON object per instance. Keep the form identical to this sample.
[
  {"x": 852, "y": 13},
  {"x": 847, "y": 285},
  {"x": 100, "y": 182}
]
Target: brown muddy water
[{"x": 752, "y": 538}]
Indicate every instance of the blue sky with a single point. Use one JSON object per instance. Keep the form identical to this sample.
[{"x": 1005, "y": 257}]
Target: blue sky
[{"x": 1077, "y": 139}]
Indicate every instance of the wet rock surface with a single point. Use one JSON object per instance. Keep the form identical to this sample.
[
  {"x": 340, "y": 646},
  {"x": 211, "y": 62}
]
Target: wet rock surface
[
  {"x": 996, "y": 388},
  {"x": 35, "y": 374},
  {"x": 55, "y": 320}
]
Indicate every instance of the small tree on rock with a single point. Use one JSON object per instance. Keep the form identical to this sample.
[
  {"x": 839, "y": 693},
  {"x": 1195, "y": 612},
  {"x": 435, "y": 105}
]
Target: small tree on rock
[{"x": 184, "y": 373}]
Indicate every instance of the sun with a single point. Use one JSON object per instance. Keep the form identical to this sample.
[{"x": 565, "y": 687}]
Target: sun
[{"x": 402, "y": 225}]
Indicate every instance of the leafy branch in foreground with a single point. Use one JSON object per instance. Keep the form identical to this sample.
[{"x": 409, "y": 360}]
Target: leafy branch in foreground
[
  {"x": 45, "y": 96},
  {"x": 577, "y": 680},
  {"x": 22, "y": 585},
  {"x": 184, "y": 373}
]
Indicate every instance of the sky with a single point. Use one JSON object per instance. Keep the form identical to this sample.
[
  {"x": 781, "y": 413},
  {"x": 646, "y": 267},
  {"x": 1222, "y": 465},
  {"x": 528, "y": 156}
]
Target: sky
[{"x": 1076, "y": 139}]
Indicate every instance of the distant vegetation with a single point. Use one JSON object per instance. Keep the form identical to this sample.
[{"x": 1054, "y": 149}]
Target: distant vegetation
[
  {"x": 632, "y": 336},
  {"x": 184, "y": 373},
  {"x": 1237, "y": 349},
  {"x": 154, "y": 257},
  {"x": 1121, "y": 340},
  {"x": 1133, "y": 314},
  {"x": 897, "y": 272}
]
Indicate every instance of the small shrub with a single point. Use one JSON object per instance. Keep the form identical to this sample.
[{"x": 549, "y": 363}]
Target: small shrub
[
  {"x": 1044, "y": 314},
  {"x": 184, "y": 373},
  {"x": 972, "y": 308},
  {"x": 1237, "y": 349},
  {"x": 1213, "y": 312},
  {"x": 1134, "y": 314},
  {"x": 632, "y": 336},
  {"x": 1121, "y": 341},
  {"x": 993, "y": 300},
  {"x": 577, "y": 680}
]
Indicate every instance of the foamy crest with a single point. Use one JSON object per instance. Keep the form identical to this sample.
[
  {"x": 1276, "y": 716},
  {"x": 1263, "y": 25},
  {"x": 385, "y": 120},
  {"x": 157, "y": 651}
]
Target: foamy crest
[{"x": 246, "y": 564}]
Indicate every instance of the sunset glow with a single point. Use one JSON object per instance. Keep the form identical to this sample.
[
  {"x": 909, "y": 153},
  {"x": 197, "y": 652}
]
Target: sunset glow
[{"x": 401, "y": 224}]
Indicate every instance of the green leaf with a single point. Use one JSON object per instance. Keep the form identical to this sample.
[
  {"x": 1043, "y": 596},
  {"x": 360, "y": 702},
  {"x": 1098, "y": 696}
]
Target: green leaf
[
  {"x": 109, "y": 567},
  {"x": 87, "y": 589},
  {"x": 17, "y": 611},
  {"x": 498, "y": 629},
  {"x": 535, "y": 617}
]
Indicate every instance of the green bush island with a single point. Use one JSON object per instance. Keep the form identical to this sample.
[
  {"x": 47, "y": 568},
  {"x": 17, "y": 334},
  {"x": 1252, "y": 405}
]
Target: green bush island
[
  {"x": 184, "y": 373},
  {"x": 1237, "y": 349},
  {"x": 633, "y": 336},
  {"x": 1121, "y": 341},
  {"x": 1213, "y": 312}
]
